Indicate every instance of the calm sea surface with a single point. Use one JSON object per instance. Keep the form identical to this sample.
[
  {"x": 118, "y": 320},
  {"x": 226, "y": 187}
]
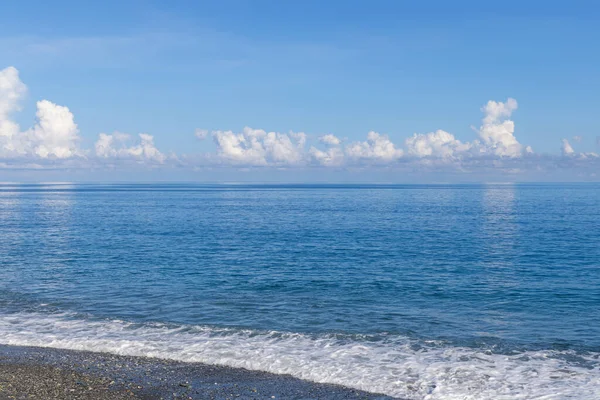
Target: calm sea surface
[{"x": 422, "y": 292}]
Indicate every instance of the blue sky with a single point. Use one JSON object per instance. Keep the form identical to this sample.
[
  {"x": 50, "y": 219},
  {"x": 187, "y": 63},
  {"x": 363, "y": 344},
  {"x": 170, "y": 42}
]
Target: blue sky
[{"x": 343, "y": 68}]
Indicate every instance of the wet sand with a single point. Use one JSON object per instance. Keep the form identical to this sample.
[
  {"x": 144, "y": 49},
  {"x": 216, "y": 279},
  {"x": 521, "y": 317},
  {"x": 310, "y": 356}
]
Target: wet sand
[{"x": 44, "y": 373}]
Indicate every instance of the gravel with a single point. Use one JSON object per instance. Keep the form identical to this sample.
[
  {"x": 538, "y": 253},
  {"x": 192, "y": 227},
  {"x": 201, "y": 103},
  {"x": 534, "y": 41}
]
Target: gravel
[{"x": 45, "y": 373}]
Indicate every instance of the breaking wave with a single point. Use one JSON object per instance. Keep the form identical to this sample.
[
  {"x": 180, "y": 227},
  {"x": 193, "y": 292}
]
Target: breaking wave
[{"x": 390, "y": 364}]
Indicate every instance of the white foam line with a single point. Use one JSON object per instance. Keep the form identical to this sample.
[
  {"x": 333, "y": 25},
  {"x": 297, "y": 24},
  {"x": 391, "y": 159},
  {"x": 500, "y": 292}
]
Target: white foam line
[{"x": 390, "y": 366}]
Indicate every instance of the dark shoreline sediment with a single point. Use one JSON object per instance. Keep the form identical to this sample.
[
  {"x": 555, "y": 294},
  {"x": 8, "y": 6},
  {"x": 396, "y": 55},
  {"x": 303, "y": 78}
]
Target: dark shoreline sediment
[{"x": 46, "y": 373}]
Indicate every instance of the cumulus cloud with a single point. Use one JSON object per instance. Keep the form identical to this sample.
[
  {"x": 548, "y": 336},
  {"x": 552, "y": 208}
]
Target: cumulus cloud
[
  {"x": 577, "y": 138},
  {"x": 566, "y": 148},
  {"x": 376, "y": 148},
  {"x": 330, "y": 140},
  {"x": 55, "y": 134},
  {"x": 334, "y": 156},
  {"x": 435, "y": 144},
  {"x": 568, "y": 151},
  {"x": 201, "y": 134},
  {"x": 497, "y": 131},
  {"x": 54, "y": 141},
  {"x": 495, "y": 138},
  {"x": 260, "y": 148},
  {"x": 12, "y": 91},
  {"x": 117, "y": 146}
]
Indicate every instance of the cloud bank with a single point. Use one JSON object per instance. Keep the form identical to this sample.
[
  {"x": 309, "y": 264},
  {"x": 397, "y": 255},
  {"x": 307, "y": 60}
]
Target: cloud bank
[
  {"x": 116, "y": 146},
  {"x": 54, "y": 142},
  {"x": 256, "y": 147}
]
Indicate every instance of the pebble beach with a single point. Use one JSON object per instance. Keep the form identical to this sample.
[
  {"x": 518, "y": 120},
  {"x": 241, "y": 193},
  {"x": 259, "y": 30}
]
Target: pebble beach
[{"x": 44, "y": 373}]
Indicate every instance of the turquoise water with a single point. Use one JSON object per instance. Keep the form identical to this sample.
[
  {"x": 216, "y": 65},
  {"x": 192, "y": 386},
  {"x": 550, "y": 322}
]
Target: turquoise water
[{"x": 437, "y": 292}]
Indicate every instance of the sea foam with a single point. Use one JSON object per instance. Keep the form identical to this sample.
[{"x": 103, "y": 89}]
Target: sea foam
[{"x": 389, "y": 364}]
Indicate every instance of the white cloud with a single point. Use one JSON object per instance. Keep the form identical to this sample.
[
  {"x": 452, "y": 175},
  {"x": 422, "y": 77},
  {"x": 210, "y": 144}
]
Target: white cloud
[
  {"x": 201, "y": 134},
  {"x": 568, "y": 151},
  {"x": 435, "y": 144},
  {"x": 258, "y": 147},
  {"x": 497, "y": 131},
  {"x": 376, "y": 148},
  {"x": 330, "y": 140},
  {"x": 577, "y": 138},
  {"x": 496, "y": 138},
  {"x": 334, "y": 156},
  {"x": 55, "y": 135},
  {"x": 115, "y": 146},
  {"x": 566, "y": 148},
  {"x": 12, "y": 91},
  {"x": 54, "y": 139},
  {"x": 104, "y": 146}
]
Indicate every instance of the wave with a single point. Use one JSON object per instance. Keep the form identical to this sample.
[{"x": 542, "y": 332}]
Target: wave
[{"x": 394, "y": 365}]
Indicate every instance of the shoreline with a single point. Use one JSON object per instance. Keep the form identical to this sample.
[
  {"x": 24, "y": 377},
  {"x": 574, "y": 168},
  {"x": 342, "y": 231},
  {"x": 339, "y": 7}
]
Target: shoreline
[{"x": 49, "y": 373}]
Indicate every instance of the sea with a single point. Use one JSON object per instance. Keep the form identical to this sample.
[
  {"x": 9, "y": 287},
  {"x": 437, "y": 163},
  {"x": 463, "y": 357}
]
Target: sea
[{"x": 478, "y": 291}]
